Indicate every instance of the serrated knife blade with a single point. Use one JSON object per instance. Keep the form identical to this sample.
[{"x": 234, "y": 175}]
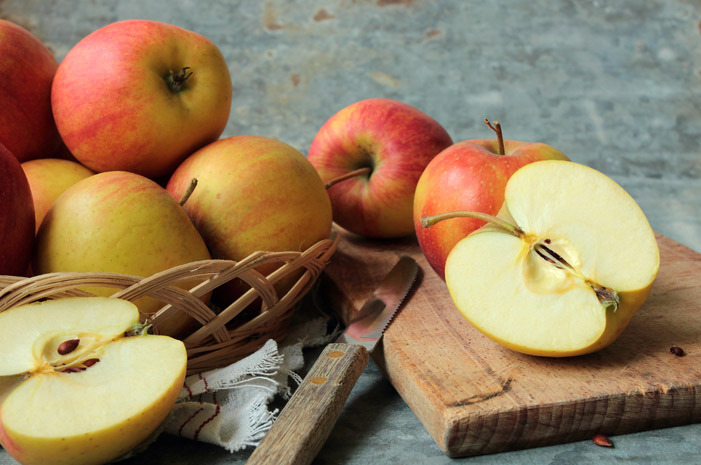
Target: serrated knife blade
[{"x": 309, "y": 416}]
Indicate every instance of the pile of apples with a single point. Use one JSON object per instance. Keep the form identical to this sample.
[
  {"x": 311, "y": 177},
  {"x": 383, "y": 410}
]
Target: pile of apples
[{"x": 99, "y": 157}]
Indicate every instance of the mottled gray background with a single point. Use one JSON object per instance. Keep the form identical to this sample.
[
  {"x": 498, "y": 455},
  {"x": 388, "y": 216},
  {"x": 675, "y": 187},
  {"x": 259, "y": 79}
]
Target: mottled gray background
[{"x": 615, "y": 85}]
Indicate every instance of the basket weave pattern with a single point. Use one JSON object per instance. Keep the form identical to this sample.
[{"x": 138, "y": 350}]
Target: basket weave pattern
[{"x": 213, "y": 342}]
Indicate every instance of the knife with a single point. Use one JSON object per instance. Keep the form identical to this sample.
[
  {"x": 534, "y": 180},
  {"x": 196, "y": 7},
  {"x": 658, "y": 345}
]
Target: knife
[{"x": 306, "y": 421}]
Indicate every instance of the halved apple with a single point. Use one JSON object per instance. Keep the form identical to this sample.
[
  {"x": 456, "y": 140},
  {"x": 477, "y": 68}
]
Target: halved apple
[
  {"x": 562, "y": 268},
  {"x": 82, "y": 384}
]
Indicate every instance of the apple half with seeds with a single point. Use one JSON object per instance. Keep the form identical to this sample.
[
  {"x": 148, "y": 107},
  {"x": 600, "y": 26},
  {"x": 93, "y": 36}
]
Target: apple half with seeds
[
  {"x": 563, "y": 267},
  {"x": 82, "y": 382}
]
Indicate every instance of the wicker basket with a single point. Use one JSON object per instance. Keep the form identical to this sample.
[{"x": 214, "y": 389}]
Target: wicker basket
[{"x": 214, "y": 342}]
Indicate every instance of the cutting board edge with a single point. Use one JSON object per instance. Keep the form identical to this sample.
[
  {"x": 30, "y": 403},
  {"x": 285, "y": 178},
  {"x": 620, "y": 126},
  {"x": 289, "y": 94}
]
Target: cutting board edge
[{"x": 681, "y": 406}]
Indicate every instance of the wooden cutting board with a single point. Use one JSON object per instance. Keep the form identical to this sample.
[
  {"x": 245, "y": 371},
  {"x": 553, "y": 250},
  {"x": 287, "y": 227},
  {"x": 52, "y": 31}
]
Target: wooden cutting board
[{"x": 475, "y": 397}]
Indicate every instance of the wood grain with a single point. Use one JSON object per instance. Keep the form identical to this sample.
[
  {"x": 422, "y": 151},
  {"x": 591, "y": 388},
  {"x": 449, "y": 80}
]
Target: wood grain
[
  {"x": 308, "y": 418},
  {"x": 476, "y": 397}
]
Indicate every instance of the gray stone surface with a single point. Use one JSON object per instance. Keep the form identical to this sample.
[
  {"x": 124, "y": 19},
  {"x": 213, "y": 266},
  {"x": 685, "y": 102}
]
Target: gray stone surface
[{"x": 615, "y": 85}]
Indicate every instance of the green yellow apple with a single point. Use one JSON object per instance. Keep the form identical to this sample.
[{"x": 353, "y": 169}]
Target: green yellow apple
[
  {"x": 119, "y": 222},
  {"x": 140, "y": 96},
  {"x": 469, "y": 175},
  {"x": 391, "y": 142},
  {"x": 27, "y": 126},
  {"x": 563, "y": 267},
  {"x": 16, "y": 216},
  {"x": 253, "y": 194},
  {"x": 81, "y": 391},
  {"x": 48, "y": 178}
]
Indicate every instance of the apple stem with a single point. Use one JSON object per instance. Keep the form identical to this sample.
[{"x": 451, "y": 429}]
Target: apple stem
[
  {"x": 350, "y": 174},
  {"x": 176, "y": 79},
  {"x": 428, "y": 221},
  {"x": 188, "y": 192},
  {"x": 500, "y": 137}
]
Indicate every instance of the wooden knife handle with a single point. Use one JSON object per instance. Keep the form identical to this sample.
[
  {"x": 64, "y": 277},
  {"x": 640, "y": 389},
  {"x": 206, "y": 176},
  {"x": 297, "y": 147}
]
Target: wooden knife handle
[{"x": 306, "y": 421}]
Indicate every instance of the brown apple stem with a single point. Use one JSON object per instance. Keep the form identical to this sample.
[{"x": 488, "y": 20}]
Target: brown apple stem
[
  {"x": 350, "y": 174},
  {"x": 176, "y": 79},
  {"x": 188, "y": 192},
  {"x": 428, "y": 221},
  {"x": 500, "y": 137}
]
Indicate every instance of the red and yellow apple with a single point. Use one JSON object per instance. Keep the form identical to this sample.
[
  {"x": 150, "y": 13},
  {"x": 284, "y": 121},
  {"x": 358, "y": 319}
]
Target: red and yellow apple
[
  {"x": 469, "y": 175},
  {"x": 27, "y": 126},
  {"x": 253, "y": 193},
  {"x": 119, "y": 222},
  {"x": 48, "y": 178},
  {"x": 77, "y": 389},
  {"x": 392, "y": 143},
  {"x": 563, "y": 267},
  {"x": 140, "y": 96},
  {"x": 16, "y": 216}
]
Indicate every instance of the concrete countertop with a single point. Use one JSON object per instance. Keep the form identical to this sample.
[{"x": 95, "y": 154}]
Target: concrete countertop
[{"x": 615, "y": 85}]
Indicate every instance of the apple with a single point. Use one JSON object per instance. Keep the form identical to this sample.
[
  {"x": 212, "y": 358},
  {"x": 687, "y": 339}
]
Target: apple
[
  {"x": 140, "y": 96},
  {"x": 378, "y": 148},
  {"x": 27, "y": 126},
  {"x": 16, "y": 216},
  {"x": 469, "y": 175},
  {"x": 563, "y": 267},
  {"x": 48, "y": 178},
  {"x": 253, "y": 194},
  {"x": 119, "y": 222},
  {"x": 89, "y": 392}
]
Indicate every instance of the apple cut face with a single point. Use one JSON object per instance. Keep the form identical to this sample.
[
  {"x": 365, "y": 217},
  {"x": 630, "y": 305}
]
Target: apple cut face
[
  {"x": 568, "y": 281},
  {"x": 85, "y": 402}
]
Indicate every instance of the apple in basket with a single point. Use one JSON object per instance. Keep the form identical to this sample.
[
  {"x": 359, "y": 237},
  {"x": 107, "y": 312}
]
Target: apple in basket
[
  {"x": 16, "y": 216},
  {"x": 27, "y": 126},
  {"x": 563, "y": 267},
  {"x": 48, "y": 178},
  {"x": 140, "y": 96},
  {"x": 119, "y": 222},
  {"x": 469, "y": 175},
  {"x": 384, "y": 145},
  {"x": 80, "y": 383},
  {"x": 253, "y": 194}
]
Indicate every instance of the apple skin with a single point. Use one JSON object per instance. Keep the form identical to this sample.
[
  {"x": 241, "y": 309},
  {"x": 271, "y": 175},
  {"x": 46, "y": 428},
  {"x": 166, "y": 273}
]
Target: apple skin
[
  {"x": 469, "y": 175},
  {"x": 114, "y": 109},
  {"x": 119, "y": 222},
  {"x": 16, "y": 216},
  {"x": 253, "y": 194},
  {"x": 48, "y": 179},
  {"x": 397, "y": 141},
  {"x": 27, "y": 126}
]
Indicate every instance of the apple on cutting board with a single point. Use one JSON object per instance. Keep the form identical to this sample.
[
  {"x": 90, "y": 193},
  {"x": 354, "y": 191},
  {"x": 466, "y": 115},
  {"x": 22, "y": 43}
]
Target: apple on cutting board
[
  {"x": 77, "y": 390},
  {"x": 384, "y": 145},
  {"x": 563, "y": 267},
  {"x": 469, "y": 175},
  {"x": 140, "y": 96}
]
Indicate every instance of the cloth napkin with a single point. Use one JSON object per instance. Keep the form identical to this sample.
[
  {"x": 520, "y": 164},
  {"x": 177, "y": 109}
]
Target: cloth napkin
[{"x": 229, "y": 406}]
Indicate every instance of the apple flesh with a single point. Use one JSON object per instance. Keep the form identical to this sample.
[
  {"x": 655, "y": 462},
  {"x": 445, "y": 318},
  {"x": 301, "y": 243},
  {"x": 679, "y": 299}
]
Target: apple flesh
[
  {"x": 71, "y": 407},
  {"x": 562, "y": 269},
  {"x": 140, "y": 96},
  {"x": 27, "y": 126},
  {"x": 16, "y": 216},
  {"x": 469, "y": 175},
  {"x": 119, "y": 222},
  {"x": 394, "y": 142},
  {"x": 48, "y": 178}
]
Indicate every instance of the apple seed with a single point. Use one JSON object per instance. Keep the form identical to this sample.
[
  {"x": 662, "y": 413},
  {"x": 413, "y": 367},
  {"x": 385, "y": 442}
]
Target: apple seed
[
  {"x": 90, "y": 362},
  {"x": 66, "y": 347},
  {"x": 601, "y": 440},
  {"x": 72, "y": 370},
  {"x": 678, "y": 351}
]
